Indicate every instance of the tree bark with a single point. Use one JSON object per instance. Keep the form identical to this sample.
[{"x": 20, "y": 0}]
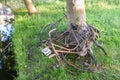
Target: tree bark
[
  {"x": 30, "y": 7},
  {"x": 76, "y": 13}
]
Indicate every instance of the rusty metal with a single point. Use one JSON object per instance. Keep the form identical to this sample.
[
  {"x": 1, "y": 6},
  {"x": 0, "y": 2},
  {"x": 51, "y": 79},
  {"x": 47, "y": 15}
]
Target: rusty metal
[
  {"x": 77, "y": 42},
  {"x": 72, "y": 48}
]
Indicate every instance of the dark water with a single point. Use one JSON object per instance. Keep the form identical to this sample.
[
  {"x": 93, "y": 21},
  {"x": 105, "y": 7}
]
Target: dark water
[{"x": 8, "y": 63}]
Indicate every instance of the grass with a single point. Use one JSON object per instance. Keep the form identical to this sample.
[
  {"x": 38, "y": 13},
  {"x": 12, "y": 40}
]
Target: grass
[{"x": 27, "y": 29}]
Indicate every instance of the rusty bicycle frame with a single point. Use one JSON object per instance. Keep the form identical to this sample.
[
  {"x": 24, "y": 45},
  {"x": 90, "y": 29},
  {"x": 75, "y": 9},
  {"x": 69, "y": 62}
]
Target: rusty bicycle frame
[
  {"x": 71, "y": 48},
  {"x": 72, "y": 42}
]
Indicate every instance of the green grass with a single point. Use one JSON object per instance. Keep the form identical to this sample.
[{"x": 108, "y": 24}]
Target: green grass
[{"x": 27, "y": 29}]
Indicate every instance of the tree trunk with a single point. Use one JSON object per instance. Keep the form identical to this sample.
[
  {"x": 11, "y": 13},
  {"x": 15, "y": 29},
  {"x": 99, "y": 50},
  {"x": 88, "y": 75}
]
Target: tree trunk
[
  {"x": 76, "y": 13},
  {"x": 30, "y": 7}
]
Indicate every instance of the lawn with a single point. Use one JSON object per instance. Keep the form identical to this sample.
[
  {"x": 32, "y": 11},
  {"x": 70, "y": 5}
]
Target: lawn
[{"x": 104, "y": 16}]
